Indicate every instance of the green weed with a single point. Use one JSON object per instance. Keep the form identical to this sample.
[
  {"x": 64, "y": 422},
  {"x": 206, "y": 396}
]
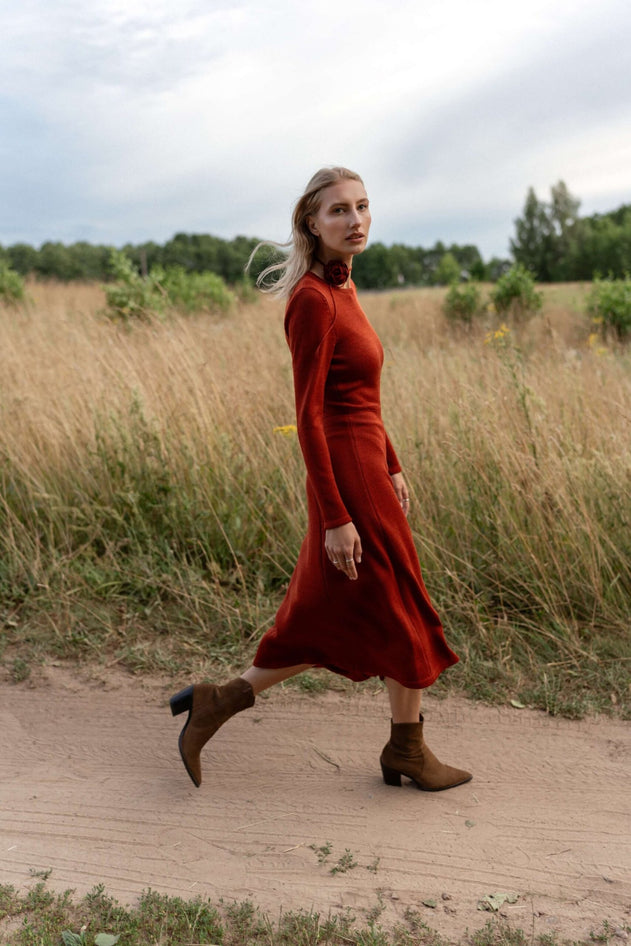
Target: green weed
[
  {"x": 514, "y": 293},
  {"x": 41, "y": 918},
  {"x": 609, "y": 304},
  {"x": 344, "y": 863},
  {"x": 12, "y": 291},
  {"x": 463, "y": 302},
  {"x": 135, "y": 297},
  {"x": 322, "y": 851}
]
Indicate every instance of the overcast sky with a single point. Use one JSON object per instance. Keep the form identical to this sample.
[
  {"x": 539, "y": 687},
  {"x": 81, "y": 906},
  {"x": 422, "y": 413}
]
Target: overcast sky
[{"x": 128, "y": 120}]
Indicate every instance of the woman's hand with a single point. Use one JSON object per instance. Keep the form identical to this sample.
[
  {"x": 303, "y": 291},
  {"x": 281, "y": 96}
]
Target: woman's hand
[
  {"x": 402, "y": 491},
  {"x": 344, "y": 549}
]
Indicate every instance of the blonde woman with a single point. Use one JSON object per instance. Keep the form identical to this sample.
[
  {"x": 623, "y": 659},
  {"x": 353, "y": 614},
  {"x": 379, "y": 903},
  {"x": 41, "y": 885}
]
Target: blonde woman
[{"x": 356, "y": 603}]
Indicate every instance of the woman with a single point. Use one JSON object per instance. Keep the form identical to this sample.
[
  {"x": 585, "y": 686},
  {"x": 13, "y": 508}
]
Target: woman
[{"x": 356, "y": 602}]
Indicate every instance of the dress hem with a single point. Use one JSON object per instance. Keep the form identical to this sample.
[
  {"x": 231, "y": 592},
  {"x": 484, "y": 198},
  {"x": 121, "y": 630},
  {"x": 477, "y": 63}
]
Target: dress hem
[{"x": 360, "y": 676}]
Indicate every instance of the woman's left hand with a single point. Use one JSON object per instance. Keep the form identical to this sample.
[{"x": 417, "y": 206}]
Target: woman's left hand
[{"x": 401, "y": 490}]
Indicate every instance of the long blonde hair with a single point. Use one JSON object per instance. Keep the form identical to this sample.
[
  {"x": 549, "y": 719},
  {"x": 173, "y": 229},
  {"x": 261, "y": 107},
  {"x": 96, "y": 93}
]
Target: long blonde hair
[{"x": 303, "y": 244}]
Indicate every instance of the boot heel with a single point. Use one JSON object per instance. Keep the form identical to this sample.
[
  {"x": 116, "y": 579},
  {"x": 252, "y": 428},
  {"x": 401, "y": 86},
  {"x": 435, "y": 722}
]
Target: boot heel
[
  {"x": 182, "y": 701},
  {"x": 390, "y": 777}
]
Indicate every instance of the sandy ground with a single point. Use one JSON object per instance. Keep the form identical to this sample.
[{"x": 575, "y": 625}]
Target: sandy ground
[{"x": 91, "y": 785}]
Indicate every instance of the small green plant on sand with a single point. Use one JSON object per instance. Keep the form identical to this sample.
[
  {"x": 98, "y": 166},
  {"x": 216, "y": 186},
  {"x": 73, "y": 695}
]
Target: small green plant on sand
[
  {"x": 322, "y": 851},
  {"x": 345, "y": 863},
  {"x": 80, "y": 939},
  {"x": 41, "y": 918}
]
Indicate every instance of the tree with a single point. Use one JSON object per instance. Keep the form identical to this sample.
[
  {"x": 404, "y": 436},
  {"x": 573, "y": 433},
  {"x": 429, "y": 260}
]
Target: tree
[
  {"x": 448, "y": 270},
  {"x": 563, "y": 221},
  {"x": 600, "y": 245},
  {"x": 563, "y": 209},
  {"x": 468, "y": 256},
  {"x": 533, "y": 236},
  {"x": 375, "y": 268},
  {"x": 544, "y": 232},
  {"x": 496, "y": 267},
  {"x": 22, "y": 258},
  {"x": 55, "y": 262}
]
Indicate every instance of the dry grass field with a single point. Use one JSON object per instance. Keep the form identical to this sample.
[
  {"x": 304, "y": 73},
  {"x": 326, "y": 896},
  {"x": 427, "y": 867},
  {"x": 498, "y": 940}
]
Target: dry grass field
[{"x": 150, "y": 513}]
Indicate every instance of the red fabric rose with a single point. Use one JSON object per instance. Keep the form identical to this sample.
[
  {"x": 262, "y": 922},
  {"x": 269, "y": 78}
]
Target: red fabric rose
[{"x": 336, "y": 272}]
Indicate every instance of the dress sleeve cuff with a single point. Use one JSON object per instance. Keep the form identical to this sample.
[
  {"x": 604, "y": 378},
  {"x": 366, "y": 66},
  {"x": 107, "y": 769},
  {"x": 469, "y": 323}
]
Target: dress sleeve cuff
[
  {"x": 336, "y": 523},
  {"x": 391, "y": 458}
]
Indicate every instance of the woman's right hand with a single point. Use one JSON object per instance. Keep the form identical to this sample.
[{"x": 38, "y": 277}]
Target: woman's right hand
[{"x": 344, "y": 549}]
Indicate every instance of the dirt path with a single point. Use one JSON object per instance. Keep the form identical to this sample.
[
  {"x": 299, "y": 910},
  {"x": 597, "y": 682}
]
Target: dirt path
[{"x": 92, "y": 786}]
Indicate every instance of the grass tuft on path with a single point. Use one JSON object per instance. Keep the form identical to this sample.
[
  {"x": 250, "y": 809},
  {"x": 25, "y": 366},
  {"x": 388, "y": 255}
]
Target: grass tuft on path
[{"x": 40, "y": 917}]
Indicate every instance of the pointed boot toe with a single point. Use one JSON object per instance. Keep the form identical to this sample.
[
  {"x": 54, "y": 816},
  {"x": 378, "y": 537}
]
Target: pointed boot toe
[
  {"x": 406, "y": 753},
  {"x": 208, "y": 707}
]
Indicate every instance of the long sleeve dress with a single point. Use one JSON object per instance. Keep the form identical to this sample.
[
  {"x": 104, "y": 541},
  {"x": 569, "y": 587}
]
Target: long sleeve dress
[{"x": 382, "y": 624}]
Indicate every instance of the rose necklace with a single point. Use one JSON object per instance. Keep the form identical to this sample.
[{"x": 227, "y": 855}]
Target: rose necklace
[{"x": 336, "y": 272}]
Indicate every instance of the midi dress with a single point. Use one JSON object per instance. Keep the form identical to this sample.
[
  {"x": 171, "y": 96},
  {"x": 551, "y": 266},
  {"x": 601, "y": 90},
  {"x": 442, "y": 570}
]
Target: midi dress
[{"x": 382, "y": 624}]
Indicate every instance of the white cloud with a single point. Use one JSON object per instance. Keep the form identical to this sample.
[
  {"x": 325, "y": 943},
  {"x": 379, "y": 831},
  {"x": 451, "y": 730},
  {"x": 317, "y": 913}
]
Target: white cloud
[{"x": 132, "y": 119}]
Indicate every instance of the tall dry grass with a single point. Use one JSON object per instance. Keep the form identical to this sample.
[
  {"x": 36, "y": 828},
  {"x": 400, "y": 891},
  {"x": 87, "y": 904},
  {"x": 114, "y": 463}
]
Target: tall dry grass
[{"x": 149, "y": 511}]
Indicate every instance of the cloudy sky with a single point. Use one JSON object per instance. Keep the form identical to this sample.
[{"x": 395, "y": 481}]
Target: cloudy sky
[{"x": 127, "y": 120}]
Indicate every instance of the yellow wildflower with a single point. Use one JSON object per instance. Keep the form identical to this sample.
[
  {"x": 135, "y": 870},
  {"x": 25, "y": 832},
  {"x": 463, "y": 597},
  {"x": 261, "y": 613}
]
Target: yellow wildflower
[
  {"x": 286, "y": 430},
  {"x": 498, "y": 335}
]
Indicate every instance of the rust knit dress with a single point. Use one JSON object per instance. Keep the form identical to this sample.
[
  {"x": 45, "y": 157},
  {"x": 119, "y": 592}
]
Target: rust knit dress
[{"x": 382, "y": 624}]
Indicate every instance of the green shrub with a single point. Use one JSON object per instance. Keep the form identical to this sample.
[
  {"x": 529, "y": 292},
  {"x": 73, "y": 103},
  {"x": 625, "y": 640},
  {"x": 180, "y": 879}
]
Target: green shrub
[
  {"x": 132, "y": 296},
  {"x": 462, "y": 302},
  {"x": 609, "y": 304},
  {"x": 11, "y": 285},
  {"x": 194, "y": 292},
  {"x": 515, "y": 294}
]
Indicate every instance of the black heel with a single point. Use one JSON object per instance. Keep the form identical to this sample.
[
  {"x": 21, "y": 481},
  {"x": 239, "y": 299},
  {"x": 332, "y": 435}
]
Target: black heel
[
  {"x": 390, "y": 776},
  {"x": 182, "y": 701}
]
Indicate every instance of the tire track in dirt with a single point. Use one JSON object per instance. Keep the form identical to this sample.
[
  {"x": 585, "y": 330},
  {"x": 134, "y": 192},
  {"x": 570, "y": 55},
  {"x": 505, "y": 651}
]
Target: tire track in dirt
[{"x": 92, "y": 786}]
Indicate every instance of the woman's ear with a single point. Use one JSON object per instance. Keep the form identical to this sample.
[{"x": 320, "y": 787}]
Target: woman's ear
[{"x": 312, "y": 226}]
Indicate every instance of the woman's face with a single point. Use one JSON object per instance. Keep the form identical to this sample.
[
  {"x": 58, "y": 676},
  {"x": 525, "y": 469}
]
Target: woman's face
[{"x": 342, "y": 222}]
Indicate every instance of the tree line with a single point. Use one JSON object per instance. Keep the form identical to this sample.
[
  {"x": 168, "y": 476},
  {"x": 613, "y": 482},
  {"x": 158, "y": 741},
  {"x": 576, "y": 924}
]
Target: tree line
[
  {"x": 550, "y": 240},
  {"x": 379, "y": 267},
  {"x": 557, "y": 245}
]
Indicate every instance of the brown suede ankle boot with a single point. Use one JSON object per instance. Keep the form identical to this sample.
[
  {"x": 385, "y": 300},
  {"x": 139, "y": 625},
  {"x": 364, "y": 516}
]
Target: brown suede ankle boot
[
  {"x": 407, "y": 754},
  {"x": 208, "y": 708}
]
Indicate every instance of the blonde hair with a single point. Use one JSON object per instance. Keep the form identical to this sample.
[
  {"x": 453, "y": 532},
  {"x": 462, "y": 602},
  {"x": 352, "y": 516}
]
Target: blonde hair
[{"x": 303, "y": 244}]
